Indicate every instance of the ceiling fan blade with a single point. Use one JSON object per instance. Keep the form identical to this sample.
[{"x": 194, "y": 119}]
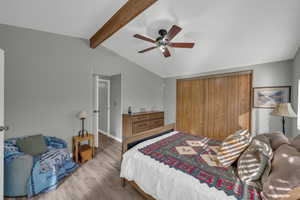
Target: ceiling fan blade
[
  {"x": 145, "y": 50},
  {"x": 166, "y": 52},
  {"x": 173, "y": 32},
  {"x": 144, "y": 38},
  {"x": 182, "y": 45}
]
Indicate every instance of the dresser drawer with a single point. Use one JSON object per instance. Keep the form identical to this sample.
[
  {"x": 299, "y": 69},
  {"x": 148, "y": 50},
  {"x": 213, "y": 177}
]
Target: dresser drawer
[
  {"x": 155, "y": 123},
  {"x": 140, "y": 127},
  {"x": 156, "y": 115},
  {"x": 140, "y": 118}
]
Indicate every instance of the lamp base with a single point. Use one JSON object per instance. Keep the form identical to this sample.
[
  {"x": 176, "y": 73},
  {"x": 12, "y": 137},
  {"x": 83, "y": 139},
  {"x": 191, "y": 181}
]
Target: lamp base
[
  {"x": 82, "y": 133},
  {"x": 283, "y": 125}
]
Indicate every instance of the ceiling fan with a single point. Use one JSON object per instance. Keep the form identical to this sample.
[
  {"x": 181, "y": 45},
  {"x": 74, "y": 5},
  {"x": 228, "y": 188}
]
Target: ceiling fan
[{"x": 164, "y": 41}]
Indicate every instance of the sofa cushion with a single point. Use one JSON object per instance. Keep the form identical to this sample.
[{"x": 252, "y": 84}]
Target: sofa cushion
[
  {"x": 33, "y": 145},
  {"x": 285, "y": 174},
  {"x": 296, "y": 142},
  {"x": 277, "y": 139}
]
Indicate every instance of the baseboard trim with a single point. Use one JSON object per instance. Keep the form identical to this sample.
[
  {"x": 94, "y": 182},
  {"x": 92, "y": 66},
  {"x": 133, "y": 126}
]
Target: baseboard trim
[{"x": 111, "y": 136}]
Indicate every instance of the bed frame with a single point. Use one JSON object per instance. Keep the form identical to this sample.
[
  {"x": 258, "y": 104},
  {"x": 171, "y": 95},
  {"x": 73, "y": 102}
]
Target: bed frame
[
  {"x": 138, "y": 138},
  {"x": 146, "y": 135}
]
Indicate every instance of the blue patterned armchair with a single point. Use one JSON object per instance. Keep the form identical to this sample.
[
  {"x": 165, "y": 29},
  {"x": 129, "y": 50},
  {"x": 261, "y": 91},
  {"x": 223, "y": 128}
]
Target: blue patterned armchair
[{"x": 25, "y": 175}]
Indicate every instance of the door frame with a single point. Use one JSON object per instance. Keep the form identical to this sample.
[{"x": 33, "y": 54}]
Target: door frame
[
  {"x": 2, "y": 124},
  {"x": 108, "y": 104}
]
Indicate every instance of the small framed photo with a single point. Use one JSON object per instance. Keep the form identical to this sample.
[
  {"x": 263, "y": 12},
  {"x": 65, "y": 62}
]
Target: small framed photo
[{"x": 269, "y": 97}]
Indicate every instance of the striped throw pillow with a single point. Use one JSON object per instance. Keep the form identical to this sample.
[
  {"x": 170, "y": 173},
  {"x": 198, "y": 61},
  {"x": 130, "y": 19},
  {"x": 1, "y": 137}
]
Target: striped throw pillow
[
  {"x": 232, "y": 147},
  {"x": 255, "y": 160}
]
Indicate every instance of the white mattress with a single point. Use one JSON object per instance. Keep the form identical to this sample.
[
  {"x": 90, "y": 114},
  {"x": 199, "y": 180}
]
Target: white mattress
[{"x": 163, "y": 182}]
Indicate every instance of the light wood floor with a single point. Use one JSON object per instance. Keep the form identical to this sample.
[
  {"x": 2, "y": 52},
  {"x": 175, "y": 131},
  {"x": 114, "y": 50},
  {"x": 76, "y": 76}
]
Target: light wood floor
[{"x": 97, "y": 179}]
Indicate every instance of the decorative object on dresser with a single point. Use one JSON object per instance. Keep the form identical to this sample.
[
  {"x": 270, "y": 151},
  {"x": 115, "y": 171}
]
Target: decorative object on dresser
[
  {"x": 284, "y": 110},
  {"x": 129, "y": 110},
  {"x": 84, "y": 152},
  {"x": 270, "y": 97},
  {"x": 82, "y": 116},
  {"x": 137, "y": 123}
]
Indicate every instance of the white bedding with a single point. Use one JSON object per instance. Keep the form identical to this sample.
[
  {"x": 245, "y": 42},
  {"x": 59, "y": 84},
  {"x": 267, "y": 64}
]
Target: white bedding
[{"x": 163, "y": 182}]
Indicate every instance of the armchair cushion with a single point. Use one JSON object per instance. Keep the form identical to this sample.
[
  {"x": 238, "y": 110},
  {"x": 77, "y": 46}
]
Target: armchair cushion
[{"x": 32, "y": 145}]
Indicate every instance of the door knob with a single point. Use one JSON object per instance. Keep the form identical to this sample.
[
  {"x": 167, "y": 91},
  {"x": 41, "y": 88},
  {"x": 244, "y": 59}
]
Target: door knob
[
  {"x": 4, "y": 128},
  {"x": 96, "y": 111}
]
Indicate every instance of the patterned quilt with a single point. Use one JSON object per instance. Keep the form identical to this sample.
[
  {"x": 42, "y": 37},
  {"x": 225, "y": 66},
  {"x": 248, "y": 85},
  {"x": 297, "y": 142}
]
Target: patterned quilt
[{"x": 185, "y": 152}]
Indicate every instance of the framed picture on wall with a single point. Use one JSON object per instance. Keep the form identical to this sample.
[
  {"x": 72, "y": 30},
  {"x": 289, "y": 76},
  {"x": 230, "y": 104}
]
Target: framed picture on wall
[{"x": 269, "y": 97}]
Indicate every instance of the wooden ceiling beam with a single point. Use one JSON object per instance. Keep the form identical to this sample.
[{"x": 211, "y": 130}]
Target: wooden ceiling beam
[{"x": 124, "y": 15}]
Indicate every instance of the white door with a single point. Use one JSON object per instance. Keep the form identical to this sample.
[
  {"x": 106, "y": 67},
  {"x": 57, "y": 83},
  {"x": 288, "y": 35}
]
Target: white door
[
  {"x": 1, "y": 120},
  {"x": 104, "y": 106}
]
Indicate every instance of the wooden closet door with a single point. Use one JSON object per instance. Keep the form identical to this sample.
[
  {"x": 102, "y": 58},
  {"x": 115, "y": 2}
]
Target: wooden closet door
[
  {"x": 232, "y": 112},
  {"x": 214, "y": 107},
  {"x": 245, "y": 88},
  {"x": 217, "y": 107},
  {"x": 191, "y": 115}
]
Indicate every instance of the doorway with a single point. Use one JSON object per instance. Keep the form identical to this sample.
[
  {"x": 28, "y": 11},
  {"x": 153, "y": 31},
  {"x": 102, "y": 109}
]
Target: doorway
[
  {"x": 104, "y": 106},
  {"x": 107, "y": 115}
]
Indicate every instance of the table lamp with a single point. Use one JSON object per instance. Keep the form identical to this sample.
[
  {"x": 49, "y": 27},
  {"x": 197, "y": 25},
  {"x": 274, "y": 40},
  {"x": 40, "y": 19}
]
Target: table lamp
[
  {"x": 284, "y": 110},
  {"x": 82, "y": 115}
]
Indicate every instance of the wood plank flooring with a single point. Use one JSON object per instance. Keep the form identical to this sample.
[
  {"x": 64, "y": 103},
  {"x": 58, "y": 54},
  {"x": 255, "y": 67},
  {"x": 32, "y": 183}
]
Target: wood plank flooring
[{"x": 97, "y": 179}]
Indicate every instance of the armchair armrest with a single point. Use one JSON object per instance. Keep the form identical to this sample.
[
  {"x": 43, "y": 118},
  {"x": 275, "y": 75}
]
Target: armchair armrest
[
  {"x": 11, "y": 151},
  {"x": 16, "y": 175},
  {"x": 55, "y": 142}
]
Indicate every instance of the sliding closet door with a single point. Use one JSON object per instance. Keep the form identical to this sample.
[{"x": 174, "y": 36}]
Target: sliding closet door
[
  {"x": 214, "y": 107},
  {"x": 217, "y": 107},
  {"x": 245, "y": 88},
  {"x": 192, "y": 97}
]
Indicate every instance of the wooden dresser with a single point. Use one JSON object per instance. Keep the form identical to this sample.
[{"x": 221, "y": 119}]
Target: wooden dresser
[{"x": 139, "y": 122}]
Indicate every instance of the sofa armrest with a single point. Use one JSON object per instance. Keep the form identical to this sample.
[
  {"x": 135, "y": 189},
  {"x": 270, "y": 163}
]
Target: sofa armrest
[{"x": 293, "y": 194}]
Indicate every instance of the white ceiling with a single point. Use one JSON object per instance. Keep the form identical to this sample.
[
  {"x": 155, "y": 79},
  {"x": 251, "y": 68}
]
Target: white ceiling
[{"x": 228, "y": 34}]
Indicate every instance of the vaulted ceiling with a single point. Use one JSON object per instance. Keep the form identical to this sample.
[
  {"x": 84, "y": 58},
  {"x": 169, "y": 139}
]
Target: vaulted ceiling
[{"x": 227, "y": 33}]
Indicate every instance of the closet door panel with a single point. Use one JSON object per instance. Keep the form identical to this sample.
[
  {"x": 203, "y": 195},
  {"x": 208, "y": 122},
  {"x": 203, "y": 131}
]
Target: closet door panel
[
  {"x": 245, "y": 101},
  {"x": 179, "y": 106},
  {"x": 210, "y": 112},
  {"x": 185, "y": 108},
  {"x": 198, "y": 107},
  {"x": 219, "y": 104},
  {"x": 232, "y": 104}
]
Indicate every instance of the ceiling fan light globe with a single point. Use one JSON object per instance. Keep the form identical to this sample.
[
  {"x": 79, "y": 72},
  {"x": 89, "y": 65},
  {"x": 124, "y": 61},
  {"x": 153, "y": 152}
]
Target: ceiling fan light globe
[{"x": 162, "y": 48}]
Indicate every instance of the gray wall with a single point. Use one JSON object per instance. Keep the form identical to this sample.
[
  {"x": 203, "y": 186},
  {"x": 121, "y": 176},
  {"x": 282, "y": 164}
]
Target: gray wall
[
  {"x": 269, "y": 74},
  {"x": 115, "y": 107},
  {"x": 49, "y": 78},
  {"x": 296, "y": 78}
]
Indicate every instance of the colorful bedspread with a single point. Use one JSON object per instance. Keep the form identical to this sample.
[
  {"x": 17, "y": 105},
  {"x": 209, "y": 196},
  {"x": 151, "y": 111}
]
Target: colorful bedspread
[
  {"x": 184, "y": 152},
  {"x": 48, "y": 168}
]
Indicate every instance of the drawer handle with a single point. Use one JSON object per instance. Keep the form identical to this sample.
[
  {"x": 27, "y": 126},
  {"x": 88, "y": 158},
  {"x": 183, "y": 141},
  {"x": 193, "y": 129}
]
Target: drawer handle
[
  {"x": 141, "y": 125},
  {"x": 140, "y": 119}
]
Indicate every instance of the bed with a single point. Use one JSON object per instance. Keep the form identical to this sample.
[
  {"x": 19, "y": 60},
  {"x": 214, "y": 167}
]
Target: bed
[{"x": 156, "y": 178}]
